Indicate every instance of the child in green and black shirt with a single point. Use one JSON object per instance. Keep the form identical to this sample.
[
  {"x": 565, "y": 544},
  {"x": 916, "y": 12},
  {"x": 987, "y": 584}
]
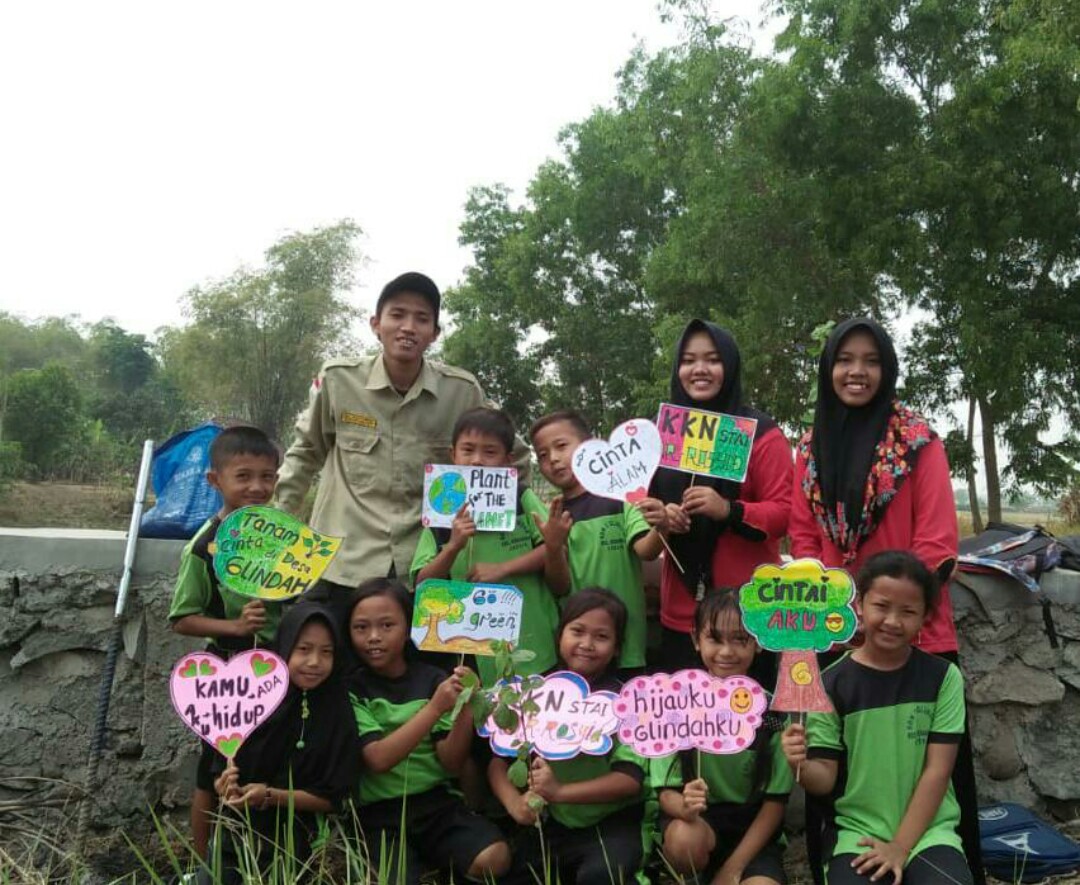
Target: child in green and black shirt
[
  {"x": 888, "y": 750},
  {"x": 599, "y": 540},
  {"x": 412, "y": 749},
  {"x": 721, "y": 815},
  {"x": 243, "y": 468},
  {"x": 484, "y": 437},
  {"x": 594, "y": 803}
]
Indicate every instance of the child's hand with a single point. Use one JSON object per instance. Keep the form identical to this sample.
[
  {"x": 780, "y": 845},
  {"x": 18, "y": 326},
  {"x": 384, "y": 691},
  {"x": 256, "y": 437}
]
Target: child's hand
[
  {"x": 446, "y": 694},
  {"x": 462, "y": 528},
  {"x": 557, "y": 528},
  {"x": 706, "y": 501},
  {"x": 793, "y": 743},
  {"x": 252, "y": 618},
  {"x": 250, "y": 796},
  {"x": 522, "y": 813},
  {"x": 227, "y": 783},
  {"x": 695, "y": 798},
  {"x": 486, "y": 573},
  {"x": 885, "y": 857},
  {"x": 542, "y": 780},
  {"x": 728, "y": 874},
  {"x": 654, "y": 512},
  {"x": 678, "y": 521}
]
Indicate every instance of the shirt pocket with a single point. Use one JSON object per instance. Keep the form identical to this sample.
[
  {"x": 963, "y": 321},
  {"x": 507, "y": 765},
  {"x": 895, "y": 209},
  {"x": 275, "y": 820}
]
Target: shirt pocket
[
  {"x": 359, "y": 459},
  {"x": 438, "y": 450}
]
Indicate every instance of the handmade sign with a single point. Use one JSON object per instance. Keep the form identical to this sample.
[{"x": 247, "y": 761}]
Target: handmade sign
[
  {"x": 571, "y": 720},
  {"x": 621, "y": 466},
  {"x": 689, "y": 710},
  {"x": 798, "y": 609},
  {"x": 708, "y": 443},
  {"x": 490, "y": 493},
  {"x": 455, "y": 616},
  {"x": 269, "y": 554},
  {"x": 223, "y": 702}
]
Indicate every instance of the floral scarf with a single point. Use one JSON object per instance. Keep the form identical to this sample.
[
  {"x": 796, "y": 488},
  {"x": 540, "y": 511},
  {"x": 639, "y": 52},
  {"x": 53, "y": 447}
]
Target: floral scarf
[{"x": 894, "y": 460}]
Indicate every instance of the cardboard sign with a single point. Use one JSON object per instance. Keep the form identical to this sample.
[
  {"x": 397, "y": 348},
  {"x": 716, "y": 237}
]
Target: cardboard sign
[
  {"x": 571, "y": 720},
  {"x": 463, "y": 618},
  {"x": 798, "y": 684},
  {"x": 269, "y": 554},
  {"x": 490, "y": 493},
  {"x": 622, "y": 466},
  {"x": 223, "y": 702},
  {"x": 799, "y": 606},
  {"x": 708, "y": 443},
  {"x": 689, "y": 710}
]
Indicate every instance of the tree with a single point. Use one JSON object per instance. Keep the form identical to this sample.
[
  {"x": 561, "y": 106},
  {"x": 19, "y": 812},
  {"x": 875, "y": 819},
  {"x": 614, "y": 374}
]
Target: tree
[
  {"x": 45, "y": 413},
  {"x": 435, "y": 604},
  {"x": 258, "y": 336}
]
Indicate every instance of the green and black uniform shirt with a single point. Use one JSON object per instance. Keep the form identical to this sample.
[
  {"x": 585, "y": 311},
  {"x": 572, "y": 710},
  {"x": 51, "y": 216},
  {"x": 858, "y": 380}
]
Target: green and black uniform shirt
[
  {"x": 583, "y": 767},
  {"x": 883, "y": 722},
  {"x": 381, "y": 706},
  {"x": 198, "y": 592},
  {"x": 601, "y": 553},
  {"x": 738, "y": 783},
  {"x": 540, "y": 613}
]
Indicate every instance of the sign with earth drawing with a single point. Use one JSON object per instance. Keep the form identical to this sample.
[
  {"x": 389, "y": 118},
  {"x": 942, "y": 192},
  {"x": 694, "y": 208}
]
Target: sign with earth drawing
[
  {"x": 463, "y": 618},
  {"x": 489, "y": 492}
]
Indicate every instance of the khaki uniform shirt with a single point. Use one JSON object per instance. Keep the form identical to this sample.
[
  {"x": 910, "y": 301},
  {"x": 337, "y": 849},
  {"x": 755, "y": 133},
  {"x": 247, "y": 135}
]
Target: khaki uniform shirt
[{"x": 371, "y": 444}]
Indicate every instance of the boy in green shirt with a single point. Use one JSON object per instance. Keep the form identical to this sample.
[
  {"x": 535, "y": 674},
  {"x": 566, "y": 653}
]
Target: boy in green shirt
[
  {"x": 243, "y": 468},
  {"x": 484, "y": 437},
  {"x": 592, "y": 541}
]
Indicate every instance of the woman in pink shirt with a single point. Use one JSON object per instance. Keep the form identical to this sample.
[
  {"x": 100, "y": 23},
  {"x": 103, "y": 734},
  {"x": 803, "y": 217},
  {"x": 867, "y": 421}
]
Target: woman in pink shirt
[{"x": 871, "y": 475}]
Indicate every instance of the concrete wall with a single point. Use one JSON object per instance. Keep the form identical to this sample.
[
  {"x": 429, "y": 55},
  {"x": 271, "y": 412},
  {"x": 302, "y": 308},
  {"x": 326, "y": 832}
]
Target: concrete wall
[{"x": 58, "y": 590}]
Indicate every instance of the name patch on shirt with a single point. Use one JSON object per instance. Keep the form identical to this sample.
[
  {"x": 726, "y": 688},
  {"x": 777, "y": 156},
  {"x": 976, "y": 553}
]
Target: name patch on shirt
[{"x": 359, "y": 420}]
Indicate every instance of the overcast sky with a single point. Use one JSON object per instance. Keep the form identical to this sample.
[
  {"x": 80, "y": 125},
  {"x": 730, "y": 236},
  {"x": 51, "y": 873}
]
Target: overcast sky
[{"x": 149, "y": 147}]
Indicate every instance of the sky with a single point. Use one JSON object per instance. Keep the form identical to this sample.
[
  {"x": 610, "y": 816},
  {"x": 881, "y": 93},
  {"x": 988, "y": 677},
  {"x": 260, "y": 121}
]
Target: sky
[{"x": 151, "y": 147}]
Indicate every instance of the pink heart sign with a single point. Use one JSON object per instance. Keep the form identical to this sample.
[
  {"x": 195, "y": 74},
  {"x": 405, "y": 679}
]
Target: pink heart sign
[
  {"x": 621, "y": 466},
  {"x": 223, "y": 702}
]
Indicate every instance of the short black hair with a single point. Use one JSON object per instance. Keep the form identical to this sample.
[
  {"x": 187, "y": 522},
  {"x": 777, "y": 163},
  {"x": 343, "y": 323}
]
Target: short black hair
[
  {"x": 382, "y": 587},
  {"x": 489, "y": 422},
  {"x": 417, "y": 283},
  {"x": 899, "y": 564},
  {"x": 716, "y": 603},
  {"x": 587, "y": 599},
  {"x": 242, "y": 439},
  {"x": 571, "y": 416}
]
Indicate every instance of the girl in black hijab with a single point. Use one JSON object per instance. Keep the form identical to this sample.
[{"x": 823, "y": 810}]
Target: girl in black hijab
[
  {"x": 299, "y": 764},
  {"x": 719, "y": 530}
]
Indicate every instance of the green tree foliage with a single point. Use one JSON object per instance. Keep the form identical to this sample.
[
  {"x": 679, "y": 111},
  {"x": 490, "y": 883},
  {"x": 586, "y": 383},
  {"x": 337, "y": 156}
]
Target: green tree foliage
[
  {"x": 44, "y": 414},
  {"x": 257, "y": 337}
]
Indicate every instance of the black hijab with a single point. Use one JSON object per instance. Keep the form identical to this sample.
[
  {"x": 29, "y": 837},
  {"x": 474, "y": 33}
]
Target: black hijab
[
  {"x": 319, "y": 751},
  {"x": 844, "y": 442},
  {"x": 695, "y": 548}
]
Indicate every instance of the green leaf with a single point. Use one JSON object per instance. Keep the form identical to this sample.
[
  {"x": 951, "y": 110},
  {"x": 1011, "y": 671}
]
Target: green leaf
[
  {"x": 470, "y": 680},
  {"x": 506, "y": 718},
  {"x": 522, "y": 656},
  {"x": 481, "y": 708},
  {"x": 518, "y": 772},
  {"x": 532, "y": 683},
  {"x": 529, "y": 707},
  {"x": 536, "y": 803},
  {"x": 463, "y": 699}
]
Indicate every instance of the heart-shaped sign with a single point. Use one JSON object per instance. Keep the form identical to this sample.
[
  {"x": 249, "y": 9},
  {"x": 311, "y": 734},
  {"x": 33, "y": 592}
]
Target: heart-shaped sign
[
  {"x": 270, "y": 554},
  {"x": 622, "y": 466},
  {"x": 223, "y": 702}
]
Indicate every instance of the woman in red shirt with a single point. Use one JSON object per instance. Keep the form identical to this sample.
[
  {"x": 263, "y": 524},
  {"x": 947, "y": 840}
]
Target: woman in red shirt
[
  {"x": 719, "y": 530},
  {"x": 871, "y": 475}
]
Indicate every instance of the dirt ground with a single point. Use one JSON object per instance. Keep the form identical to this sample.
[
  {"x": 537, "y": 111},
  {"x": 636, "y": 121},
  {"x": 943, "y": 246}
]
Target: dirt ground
[{"x": 56, "y": 505}]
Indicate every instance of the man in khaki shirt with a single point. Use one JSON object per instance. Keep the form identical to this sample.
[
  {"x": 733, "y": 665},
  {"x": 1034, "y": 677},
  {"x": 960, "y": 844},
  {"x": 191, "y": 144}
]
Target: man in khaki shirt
[{"x": 371, "y": 425}]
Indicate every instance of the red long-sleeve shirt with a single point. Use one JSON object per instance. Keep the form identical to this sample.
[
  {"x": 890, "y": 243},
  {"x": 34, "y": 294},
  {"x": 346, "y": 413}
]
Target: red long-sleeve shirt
[
  {"x": 921, "y": 518},
  {"x": 765, "y": 497}
]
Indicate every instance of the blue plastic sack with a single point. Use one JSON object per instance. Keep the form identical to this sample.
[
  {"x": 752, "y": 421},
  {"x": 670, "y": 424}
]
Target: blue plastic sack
[
  {"x": 1017, "y": 846},
  {"x": 185, "y": 500}
]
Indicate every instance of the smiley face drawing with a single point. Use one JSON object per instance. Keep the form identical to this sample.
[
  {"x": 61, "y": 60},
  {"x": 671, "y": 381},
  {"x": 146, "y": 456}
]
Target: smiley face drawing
[
  {"x": 834, "y": 622},
  {"x": 741, "y": 701},
  {"x": 800, "y": 674}
]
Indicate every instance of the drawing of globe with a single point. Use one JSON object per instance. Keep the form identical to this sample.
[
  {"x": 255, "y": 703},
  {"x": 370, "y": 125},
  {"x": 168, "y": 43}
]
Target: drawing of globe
[{"x": 448, "y": 493}]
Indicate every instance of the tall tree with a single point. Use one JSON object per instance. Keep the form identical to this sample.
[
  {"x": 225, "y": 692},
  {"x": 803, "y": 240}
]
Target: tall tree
[{"x": 257, "y": 337}]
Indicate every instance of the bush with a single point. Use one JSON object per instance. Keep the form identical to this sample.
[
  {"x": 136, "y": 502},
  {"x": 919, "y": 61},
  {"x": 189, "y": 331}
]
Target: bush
[{"x": 1069, "y": 505}]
